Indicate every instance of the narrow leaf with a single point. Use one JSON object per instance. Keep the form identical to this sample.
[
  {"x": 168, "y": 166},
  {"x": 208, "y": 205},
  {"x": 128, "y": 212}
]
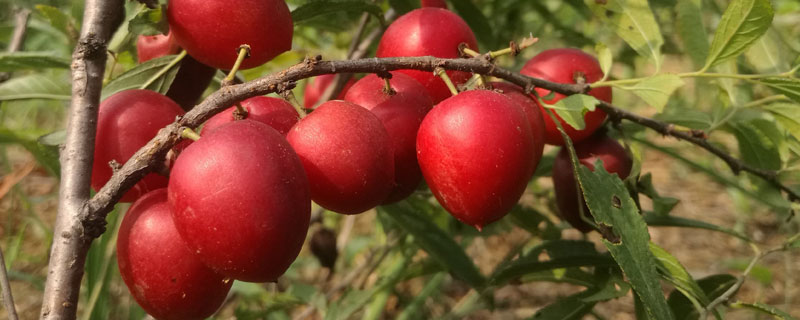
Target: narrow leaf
[
  {"x": 611, "y": 205},
  {"x": 712, "y": 287},
  {"x": 656, "y": 90},
  {"x": 692, "y": 31},
  {"x": 530, "y": 264},
  {"x": 57, "y": 18},
  {"x": 134, "y": 78},
  {"x": 568, "y": 308},
  {"x": 671, "y": 221},
  {"x": 743, "y": 22},
  {"x": 634, "y": 22},
  {"x": 34, "y": 86},
  {"x": 149, "y": 22},
  {"x": 765, "y": 309},
  {"x": 786, "y": 86},
  {"x": 435, "y": 242},
  {"x": 315, "y": 9},
  {"x": 15, "y": 61}
]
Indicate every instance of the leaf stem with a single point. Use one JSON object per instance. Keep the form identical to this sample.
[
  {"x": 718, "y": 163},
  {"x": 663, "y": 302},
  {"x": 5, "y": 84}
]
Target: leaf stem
[{"x": 164, "y": 70}]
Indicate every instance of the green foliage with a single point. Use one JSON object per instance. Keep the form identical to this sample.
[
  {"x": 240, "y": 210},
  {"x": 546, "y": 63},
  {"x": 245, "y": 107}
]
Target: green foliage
[{"x": 743, "y": 23}]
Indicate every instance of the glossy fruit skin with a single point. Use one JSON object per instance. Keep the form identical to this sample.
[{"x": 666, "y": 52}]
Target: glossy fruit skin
[
  {"x": 240, "y": 200},
  {"x": 126, "y": 121},
  {"x": 316, "y": 88},
  {"x": 476, "y": 152},
  {"x": 212, "y": 30},
  {"x": 428, "y": 32},
  {"x": 151, "y": 47},
  {"x": 615, "y": 160},
  {"x": 164, "y": 277},
  {"x": 347, "y": 155},
  {"x": 561, "y": 66},
  {"x": 532, "y": 112},
  {"x": 274, "y": 112},
  {"x": 401, "y": 114}
]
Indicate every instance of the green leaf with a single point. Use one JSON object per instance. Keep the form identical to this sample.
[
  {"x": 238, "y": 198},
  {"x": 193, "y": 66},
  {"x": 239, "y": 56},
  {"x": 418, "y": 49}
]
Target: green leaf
[
  {"x": 402, "y": 6},
  {"x": 34, "y": 86},
  {"x": 656, "y": 90},
  {"x": 568, "y": 308},
  {"x": 692, "y": 31},
  {"x": 149, "y": 22},
  {"x": 412, "y": 309},
  {"x": 605, "y": 57},
  {"x": 611, "y": 205},
  {"x": 318, "y": 8},
  {"x": 755, "y": 144},
  {"x": 690, "y": 118},
  {"x": 141, "y": 74},
  {"x": 671, "y": 221},
  {"x": 572, "y": 108},
  {"x": 769, "y": 54},
  {"x": 788, "y": 87},
  {"x": 788, "y": 115},
  {"x": 476, "y": 20},
  {"x": 563, "y": 253},
  {"x": 743, "y": 22},
  {"x": 673, "y": 272},
  {"x": 634, "y": 22},
  {"x": 435, "y": 242},
  {"x": 763, "y": 308},
  {"x": 45, "y": 155},
  {"x": 27, "y": 60},
  {"x": 57, "y": 18},
  {"x": 661, "y": 205},
  {"x": 712, "y": 287}
]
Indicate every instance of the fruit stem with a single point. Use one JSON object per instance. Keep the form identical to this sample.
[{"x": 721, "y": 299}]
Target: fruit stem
[
  {"x": 190, "y": 134},
  {"x": 514, "y": 48},
  {"x": 244, "y": 52},
  {"x": 387, "y": 87},
  {"x": 163, "y": 70},
  {"x": 288, "y": 95},
  {"x": 470, "y": 52},
  {"x": 240, "y": 113},
  {"x": 441, "y": 73}
]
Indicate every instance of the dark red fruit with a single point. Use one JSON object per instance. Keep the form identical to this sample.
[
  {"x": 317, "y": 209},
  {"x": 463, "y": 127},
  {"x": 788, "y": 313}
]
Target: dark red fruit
[
  {"x": 240, "y": 200},
  {"x": 476, "y": 152},
  {"x": 212, "y": 30},
  {"x": 401, "y": 114},
  {"x": 434, "y": 4},
  {"x": 428, "y": 32},
  {"x": 347, "y": 155},
  {"x": 316, "y": 88},
  {"x": 151, "y": 47},
  {"x": 565, "y": 66},
  {"x": 531, "y": 109},
  {"x": 615, "y": 160},
  {"x": 126, "y": 121},
  {"x": 274, "y": 112},
  {"x": 164, "y": 277}
]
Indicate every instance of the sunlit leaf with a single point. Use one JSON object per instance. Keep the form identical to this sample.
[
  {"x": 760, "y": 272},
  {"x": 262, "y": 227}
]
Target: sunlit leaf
[
  {"x": 657, "y": 89},
  {"x": 788, "y": 115},
  {"x": 786, "y": 86},
  {"x": 35, "y": 86},
  {"x": 572, "y": 108},
  {"x": 149, "y": 22},
  {"x": 691, "y": 30},
  {"x": 634, "y": 22},
  {"x": 32, "y": 61},
  {"x": 162, "y": 67},
  {"x": 743, "y": 22}
]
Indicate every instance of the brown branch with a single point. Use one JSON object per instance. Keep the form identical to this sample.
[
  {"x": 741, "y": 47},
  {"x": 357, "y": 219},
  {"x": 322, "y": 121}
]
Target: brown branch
[{"x": 71, "y": 241}]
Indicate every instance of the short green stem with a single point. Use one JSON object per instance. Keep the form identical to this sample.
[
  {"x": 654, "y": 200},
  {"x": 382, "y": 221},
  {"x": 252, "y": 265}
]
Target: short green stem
[
  {"x": 244, "y": 52},
  {"x": 443, "y": 74},
  {"x": 190, "y": 134},
  {"x": 163, "y": 70},
  {"x": 288, "y": 95},
  {"x": 387, "y": 87}
]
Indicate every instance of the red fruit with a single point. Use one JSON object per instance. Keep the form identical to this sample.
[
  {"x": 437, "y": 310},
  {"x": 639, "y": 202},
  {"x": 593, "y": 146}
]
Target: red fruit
[
  {"x": 164, "y": 277},
  {"x": 615, "y": 160},
  {"x": 212, "y": 30},
  {"x": 317, "y": 86},
  {"x": 274, "y": 112},
  {"x": 240, "y": 200},
  {"x": 531, "y": 109},
  {"x": 434, "y": 3},
  {"x": 151, "y": 47},
  {"x": 126, "y": 121},
  {"x": 564, "y": 66},
  {"x": 476, "y": 152},
  {"x": 401, "y": 115},
  {"x": 347, "y": 155},
  {"x": 428, "y": 32}
]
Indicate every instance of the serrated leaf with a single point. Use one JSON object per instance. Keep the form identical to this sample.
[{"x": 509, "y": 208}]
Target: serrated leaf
[
  {"x": 27, "y": 60},
  {"x": 743, "y": 22},
  {"x": 141, "y": 74},
  {"x": 712, "y": 287},
  {"x": 568, "y": 308},
  {"x": 788, "y": 115},
  {"x": 605, "y": 58},
  {"x": 634, "y": 22},
  {"x": 476, "y": 20},
  {"x": 611, "y": 205},
  {"x": 35, "y": 86},
  {"x": 572, "y": 108},
  {"x": 766, "y": 309},
  {"x": 691, "y": 30},
  {"x": 149, "y": 22},
  {"x": 788, "y": 87},
  {"x": 318, "y": 8},
  {"x": 438, "y": 244},
  {"x": 657, "y": 89},
  {"x": 755, "y": 144}
]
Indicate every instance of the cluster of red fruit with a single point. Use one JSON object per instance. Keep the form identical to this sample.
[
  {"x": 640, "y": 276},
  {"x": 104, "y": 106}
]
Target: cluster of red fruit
[{"x": 237, "y": 203}]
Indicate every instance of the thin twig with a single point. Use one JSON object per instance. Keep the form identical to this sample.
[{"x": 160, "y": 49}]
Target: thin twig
[
  {"x": 8, "y": 298},
  {"x": 18, "y": 37}
]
